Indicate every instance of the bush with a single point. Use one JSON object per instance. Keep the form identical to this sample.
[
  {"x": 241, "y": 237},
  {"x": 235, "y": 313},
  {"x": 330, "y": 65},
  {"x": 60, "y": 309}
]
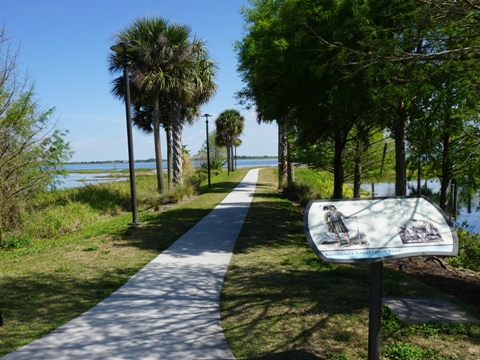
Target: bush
[
  {"x": 299, "y": 192},
  {"x": 312, "y": 184},
  {"x": 9, "y": 241},
  {"x": 468, "y": 251},
  {"x": 33, "y": 148}
]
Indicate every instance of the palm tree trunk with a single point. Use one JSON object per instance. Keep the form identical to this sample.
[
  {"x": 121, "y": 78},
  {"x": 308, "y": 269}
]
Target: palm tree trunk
[
  {"x": 232, "y": 157},
  {"x": 177, "y": 128},
  {"x": 228, "y": 153},
  {"x": 235, "y": 157},
  {"x": 158, "y": 147},
  {"x": 169, "y": 156}
]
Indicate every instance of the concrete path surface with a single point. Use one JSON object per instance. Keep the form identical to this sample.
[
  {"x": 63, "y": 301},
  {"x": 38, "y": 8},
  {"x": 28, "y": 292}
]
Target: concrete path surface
[{"x": 170, "y": 308}]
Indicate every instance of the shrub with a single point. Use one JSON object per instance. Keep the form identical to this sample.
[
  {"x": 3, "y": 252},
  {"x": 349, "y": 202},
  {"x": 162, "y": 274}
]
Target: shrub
[
  {"x": 468, "y": 251},
  {"x": 10, "y": 241},
  {"x": 312, "y": 184},
  {"x": 33, "y": 148},
  {"x": 299, "y": 192}
]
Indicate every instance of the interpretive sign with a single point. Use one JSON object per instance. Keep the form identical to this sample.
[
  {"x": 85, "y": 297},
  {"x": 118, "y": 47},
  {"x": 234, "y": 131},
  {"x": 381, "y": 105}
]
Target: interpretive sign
[{"x": 370, "y": 230}]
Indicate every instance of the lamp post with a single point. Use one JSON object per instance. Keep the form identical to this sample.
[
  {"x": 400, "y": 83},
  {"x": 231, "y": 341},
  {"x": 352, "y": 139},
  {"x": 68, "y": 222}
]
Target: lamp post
[
  {"x": 208, "y": 149},
  {"x": 124, "y": 48}
]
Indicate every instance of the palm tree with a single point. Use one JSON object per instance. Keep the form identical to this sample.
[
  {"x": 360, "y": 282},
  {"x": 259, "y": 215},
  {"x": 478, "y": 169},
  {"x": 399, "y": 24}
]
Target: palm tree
[
  {"x": 163, "y": 78},
  {"x": 201, "y": 88},
  {"x": 229, "y": 126}
]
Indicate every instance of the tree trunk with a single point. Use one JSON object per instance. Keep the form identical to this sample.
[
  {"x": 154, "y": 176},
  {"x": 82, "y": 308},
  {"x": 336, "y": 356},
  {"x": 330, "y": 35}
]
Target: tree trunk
[
  {"x": 158, "y": 147},
  {"x": 446, "y": 172},
  {"x": 227, "y": 147},
  {"x": 235, "y": 156},
  {"x": 231, "y": 154},
  {"x": 290, "y": 164},
  {"x": 168, "y": 131},
  {"x": 282, "y": 154},
  {"x": 338, "y": 174},
  {"x": 357, "y": 176},
  {"x": 177, "y": 151},
  {"x": 400, "y": 161}
]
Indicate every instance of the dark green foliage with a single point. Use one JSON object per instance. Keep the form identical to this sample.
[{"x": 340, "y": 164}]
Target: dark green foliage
[
  {"x": 9, "y": 241},
  {"x": 298, "y": 192},
  {"x": 338, "y": 70},
  {"x": 468, "y": 252}
]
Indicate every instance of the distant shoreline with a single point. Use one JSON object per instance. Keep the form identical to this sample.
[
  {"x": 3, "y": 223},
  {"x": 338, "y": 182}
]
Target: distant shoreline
[{"x": 153, "y": 160}]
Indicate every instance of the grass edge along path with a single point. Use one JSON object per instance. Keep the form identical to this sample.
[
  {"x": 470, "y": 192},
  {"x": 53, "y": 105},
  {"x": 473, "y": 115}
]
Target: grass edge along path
[
  {"x": 48, "y": 283},
  {"x": 279, "y": 301}
]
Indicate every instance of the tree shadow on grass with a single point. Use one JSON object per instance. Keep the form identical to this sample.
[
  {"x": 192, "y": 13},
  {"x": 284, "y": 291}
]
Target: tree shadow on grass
[
  {"x": 35, "y": 304},
  {"x": 162, "y": 229},
  {"x": 276, "y": 285}
]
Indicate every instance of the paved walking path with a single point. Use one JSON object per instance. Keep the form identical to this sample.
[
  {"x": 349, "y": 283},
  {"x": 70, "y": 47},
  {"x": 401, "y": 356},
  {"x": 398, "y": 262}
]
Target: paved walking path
[{"x": 168, "y": 310}]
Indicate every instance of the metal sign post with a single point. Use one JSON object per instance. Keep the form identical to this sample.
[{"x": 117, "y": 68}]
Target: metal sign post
[{"x": 375, "y": 318}]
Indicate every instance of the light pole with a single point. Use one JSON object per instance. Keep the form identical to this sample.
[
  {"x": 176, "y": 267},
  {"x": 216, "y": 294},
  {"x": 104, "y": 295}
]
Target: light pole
[
  {"x": 208, "y": 149},
  {"x": 124, "y": 48}
]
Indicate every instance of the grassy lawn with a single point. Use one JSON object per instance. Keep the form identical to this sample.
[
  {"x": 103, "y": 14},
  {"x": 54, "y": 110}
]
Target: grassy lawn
[
  {"x": 48, "y": 283},
  {"x": 279, "y": 300}
]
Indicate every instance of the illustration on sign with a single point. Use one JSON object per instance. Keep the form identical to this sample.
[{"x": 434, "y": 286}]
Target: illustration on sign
[{"x": 357, "y": 230}]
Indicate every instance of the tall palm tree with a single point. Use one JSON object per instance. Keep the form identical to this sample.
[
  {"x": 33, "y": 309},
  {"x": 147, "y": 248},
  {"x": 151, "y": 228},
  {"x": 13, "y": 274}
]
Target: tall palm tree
[
  {"x": 162, "y": 74},
  {"x": 229, "y": 126},
  {"x": 201, "y": 87}
]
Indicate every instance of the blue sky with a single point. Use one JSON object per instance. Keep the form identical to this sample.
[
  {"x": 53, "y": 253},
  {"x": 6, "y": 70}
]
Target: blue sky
[{"x": 64, "y": 44}]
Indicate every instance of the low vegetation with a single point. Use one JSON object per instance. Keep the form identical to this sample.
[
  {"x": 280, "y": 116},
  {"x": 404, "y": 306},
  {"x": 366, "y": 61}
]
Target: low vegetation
[{"x": 52, "y": 214}]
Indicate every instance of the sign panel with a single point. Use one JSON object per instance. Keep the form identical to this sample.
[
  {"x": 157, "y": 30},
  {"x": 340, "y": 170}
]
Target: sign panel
[{"x": 370, "y": 230}]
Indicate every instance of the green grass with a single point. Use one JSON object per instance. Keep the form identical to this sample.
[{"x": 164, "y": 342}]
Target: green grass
[
  {"x": 50, "y": 281},
  {"x": 279, "y": 301}
]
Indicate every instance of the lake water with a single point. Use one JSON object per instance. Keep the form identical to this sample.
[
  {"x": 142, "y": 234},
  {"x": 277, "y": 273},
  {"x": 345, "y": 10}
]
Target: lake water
[
  {"x": 464, "y": 219},
  {"x": 75, "y": 179},
  {"x": 471, "y": 219}
]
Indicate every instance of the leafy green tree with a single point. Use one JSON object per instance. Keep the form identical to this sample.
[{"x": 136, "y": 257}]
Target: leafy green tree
[
  {"x": 417, "y": 45},
  {"x": 448, "y": 133},
  {"x": 371, "y": 157},
  {"x": 262, "y": 66},
  {"x": 32, "y": 148},
  {"x": 338, "y": 70},
  {"x": 218, "y": 154},
  {"x": 297, "y": 77}
]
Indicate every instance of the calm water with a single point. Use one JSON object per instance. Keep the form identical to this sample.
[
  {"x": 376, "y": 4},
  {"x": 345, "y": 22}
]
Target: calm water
[
  {"x": 74, "y": 179},
  {"x": 472, "y": 219},
  {"x": 465, "y": 219}
]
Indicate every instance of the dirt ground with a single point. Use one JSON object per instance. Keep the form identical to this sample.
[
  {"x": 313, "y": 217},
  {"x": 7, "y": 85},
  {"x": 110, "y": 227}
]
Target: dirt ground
[{"x": 459, "y": 285}]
